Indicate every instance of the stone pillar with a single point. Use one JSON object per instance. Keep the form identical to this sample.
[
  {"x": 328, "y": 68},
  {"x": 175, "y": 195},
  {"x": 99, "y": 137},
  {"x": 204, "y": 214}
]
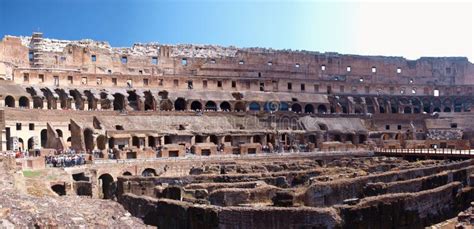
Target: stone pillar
[
  {"x": 45, "y": 104},
  {"x": 73, "y": 106},
  {"x": 146, "y": 142},
  {"x": 58, "y": 104},
  {"x": 99, "y": 106},
  {"x": 86, "y": 106},
  {"x": 31, "y": 105}
]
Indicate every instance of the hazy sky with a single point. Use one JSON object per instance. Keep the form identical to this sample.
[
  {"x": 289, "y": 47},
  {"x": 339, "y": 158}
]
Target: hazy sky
[{"x": 410, "y": 29}]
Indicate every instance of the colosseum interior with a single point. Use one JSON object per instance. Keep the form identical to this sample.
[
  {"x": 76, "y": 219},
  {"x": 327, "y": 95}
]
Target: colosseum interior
[{"x": 203, "y": 136}]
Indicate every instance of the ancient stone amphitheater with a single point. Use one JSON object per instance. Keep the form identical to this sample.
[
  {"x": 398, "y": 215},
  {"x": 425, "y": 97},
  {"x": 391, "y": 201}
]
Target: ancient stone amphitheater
[{"x": 201, "y": 136}]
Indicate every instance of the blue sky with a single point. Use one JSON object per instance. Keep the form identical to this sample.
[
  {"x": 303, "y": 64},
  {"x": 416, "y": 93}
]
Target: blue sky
[{"x": 405, "y": 29}]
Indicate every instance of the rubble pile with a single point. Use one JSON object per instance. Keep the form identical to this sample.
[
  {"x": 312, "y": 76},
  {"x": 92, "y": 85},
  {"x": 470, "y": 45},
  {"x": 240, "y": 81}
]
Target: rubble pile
[{"x": 22, "y": 210}]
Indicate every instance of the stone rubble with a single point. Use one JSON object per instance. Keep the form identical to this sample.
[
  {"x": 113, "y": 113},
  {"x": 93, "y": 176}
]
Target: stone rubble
[{"x": 18, "y": 210}]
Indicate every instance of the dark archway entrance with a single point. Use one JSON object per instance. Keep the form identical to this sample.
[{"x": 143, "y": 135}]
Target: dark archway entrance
[
  {"x": 106, "y": 181},
  {"x": 149, "y": 172},
  {"x": 180, "y": 104},
  {"x": 9, "y": 101},
  {"x": 59, "y": 189},
  {"x": 88, "y": 139}
]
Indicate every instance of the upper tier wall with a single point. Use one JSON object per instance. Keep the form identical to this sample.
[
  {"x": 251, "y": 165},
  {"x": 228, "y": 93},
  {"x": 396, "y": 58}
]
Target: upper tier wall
[{"x": 92, "y": 57}]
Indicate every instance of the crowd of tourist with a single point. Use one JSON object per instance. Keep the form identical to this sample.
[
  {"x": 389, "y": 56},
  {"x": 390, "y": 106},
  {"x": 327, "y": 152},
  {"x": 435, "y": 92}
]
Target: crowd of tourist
[{"x": 65, "y": 160}]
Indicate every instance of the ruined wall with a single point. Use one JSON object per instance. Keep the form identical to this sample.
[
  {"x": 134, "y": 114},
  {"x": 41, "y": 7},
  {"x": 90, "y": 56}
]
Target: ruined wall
[
  {"x": 166, "y": 213},
  {"x": 335, "y": 192}
]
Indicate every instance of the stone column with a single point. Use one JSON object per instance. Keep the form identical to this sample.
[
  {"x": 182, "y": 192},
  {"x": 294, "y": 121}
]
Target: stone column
[{"x": 45, "y": 104}]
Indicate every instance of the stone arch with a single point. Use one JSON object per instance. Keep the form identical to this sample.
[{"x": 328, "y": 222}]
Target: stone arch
[
  {"x": 211, "y": 106},
  {"x": 126, "y": 173},
  {"x": 467, "y": 103},
  {"x": 38, "y": 102},
  {"x": 133, "y": 100},
  {"x": 77, "y": 99},
  {"x": 151, "y": 141},
  {"x": 149, "y": 172},
  {"x": 105, "y": 101},
  {"x": 24, "y": 102},
  {"x": 31, "y": 143},
  {"x": 136, "y": 141},
  {"x": 254, "y": 106},
  {"x": 447, "y": 109},
  {"x": 199, "y": 139},
  {"x": 64, "y": 99},
  {"x": 458, "y": 105},
  {"x": 385, "y": 137},
  {"x": 119, "y": 102},
  {"x": 309, "y": 109},
  {"x": 91, "y": 100},
  {"x": 180, "y": 104},
  {"x": 322, "y": 109},
  {"x": 239, "y": 107},
  {"x": 214, "y": 139},
  {"x": 196, "y": 105},
  {"x": 166, "y": 105},
  {"x": 101, "y": 142},
  {"x": 296, "y": 107},
  {"x": 416, "y": 103},
  {"x": 107, "y": 184},
  {"x": 150, "y": 103},
  {"x": 44, "y": 137},
  {"x": 370, "y": 105},
  {"x": 21, "y": 144},
  {"x": 394, "y": 105},
  {"x": 50, "y": 98},
  {"x": 407, "y": 110},
  {"x": 225, "y": 106},
  {"x": 9, "y": 101},
  {"x": 284, "y": 106},
  {"x": 426, "y": 105},
  {"x": 89, "y": 139}
]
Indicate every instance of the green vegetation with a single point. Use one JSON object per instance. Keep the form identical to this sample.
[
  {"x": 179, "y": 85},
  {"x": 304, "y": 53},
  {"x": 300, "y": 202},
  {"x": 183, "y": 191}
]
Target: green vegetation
[{"x": 31, "y": 174}]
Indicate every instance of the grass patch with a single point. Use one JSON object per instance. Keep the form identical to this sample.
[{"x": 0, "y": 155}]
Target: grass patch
[{"x": 31, "y": 174}]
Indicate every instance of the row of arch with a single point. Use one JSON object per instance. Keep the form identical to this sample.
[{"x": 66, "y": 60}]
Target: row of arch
[
  {"x": 74, "y": 99},
  {"x": 407, "y": 105},
  {"x": 180, "y": 104}
]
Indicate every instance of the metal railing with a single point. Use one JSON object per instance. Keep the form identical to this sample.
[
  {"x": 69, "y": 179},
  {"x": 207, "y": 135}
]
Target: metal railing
[
  {"x": 431, "y": 151},
  {"x": 229, "y": 157}
]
